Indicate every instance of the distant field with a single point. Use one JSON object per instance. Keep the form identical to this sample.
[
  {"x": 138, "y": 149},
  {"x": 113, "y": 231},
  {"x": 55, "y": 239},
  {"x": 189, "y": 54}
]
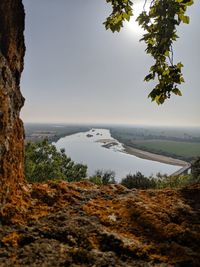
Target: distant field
[
  {"x": 183, "y": 149},
  {"x": 38, "y": 131},
  {"x": 180, "y": 143}
]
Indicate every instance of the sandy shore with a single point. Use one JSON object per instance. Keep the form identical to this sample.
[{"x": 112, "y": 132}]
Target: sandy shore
[
  {"x": 147, "y": 155},
  {"x": 155, "y": 157}
]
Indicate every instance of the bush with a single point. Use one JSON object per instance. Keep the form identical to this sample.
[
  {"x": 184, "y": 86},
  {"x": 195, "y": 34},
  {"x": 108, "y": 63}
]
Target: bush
[
  {"x": 43, "y": 162},
  {"x": 103, "y": 177},
  {"x": 195, "y": 169},
  {"x": 95, "y": 180},
  {"x": 138, "y": 181},
  {"x": 193, "y": 179},
  {"x": 164, "y": 181},
  {"x": 172, "y": 181}
]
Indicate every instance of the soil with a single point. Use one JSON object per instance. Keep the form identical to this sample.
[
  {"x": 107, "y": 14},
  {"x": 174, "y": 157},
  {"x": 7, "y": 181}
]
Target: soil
[{"x": 82, "y": 224}]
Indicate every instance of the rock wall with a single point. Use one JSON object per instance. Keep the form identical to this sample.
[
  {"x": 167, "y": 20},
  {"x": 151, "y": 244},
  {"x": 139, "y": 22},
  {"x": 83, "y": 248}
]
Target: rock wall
[{"x": 12, "y": 51}]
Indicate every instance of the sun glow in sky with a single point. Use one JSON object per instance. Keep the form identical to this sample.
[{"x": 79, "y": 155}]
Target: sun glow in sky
[
  {"x": 76, "y": 71},
  {"x": 132, "y": 26}
]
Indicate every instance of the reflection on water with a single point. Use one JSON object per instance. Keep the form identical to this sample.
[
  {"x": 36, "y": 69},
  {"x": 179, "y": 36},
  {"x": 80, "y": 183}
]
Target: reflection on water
[{"x": 98, "y": 150}]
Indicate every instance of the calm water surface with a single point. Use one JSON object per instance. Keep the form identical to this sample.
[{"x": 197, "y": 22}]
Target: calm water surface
[{"x": 88, "y": 148}]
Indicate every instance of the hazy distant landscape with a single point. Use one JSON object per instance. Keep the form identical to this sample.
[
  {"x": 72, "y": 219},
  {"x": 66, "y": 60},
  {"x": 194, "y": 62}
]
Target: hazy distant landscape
[{"x": 179, "y": 143}]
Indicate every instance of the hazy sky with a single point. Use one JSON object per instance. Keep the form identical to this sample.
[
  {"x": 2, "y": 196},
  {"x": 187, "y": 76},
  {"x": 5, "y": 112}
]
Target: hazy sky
[{"x": 76, "y": 71}]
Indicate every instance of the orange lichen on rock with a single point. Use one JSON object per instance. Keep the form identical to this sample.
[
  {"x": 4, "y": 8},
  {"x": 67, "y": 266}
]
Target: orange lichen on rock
[
  {"x": 82, "y": 224},
  {"x": 12, "y": 51},
  {"x": 149, "y": 218},
  {"x": 11, "y": 239}
]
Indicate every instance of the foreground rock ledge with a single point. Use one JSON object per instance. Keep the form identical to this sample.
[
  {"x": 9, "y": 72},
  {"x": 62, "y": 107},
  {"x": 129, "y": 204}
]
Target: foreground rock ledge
[{"x": 81, "y": 224}]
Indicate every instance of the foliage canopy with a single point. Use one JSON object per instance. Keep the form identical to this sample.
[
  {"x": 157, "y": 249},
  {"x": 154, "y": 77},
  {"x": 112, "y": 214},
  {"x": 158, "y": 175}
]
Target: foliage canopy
[
  {"x": 196, "y": 169},
  {"x": 160, "y": 24},
  {"x": 160, "y": 181},
  {"x": 103, "y": 177},
  {"x": 138, "y": 181},
  {"x": 43, "y": 162}
]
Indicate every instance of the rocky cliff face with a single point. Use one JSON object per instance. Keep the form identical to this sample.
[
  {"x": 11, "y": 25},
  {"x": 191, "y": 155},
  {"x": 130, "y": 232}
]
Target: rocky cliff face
[
  {"x": 11, "y": 127},
  {"x": 81, "y": 224}
]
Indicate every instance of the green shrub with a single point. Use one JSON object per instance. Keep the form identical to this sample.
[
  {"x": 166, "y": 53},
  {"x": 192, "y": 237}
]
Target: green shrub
[
  {"x": 96, "y": 180},
  {"x": 194, "y": 179},
  {"x": 138, "y": 181},
  {"x": 195, "y": 169},
  {"x": 164, "y": 181},
  {"x": 171, "y": 181},
  {"x": 43, "y": 162},
  {"x": 103, "y": 177}
]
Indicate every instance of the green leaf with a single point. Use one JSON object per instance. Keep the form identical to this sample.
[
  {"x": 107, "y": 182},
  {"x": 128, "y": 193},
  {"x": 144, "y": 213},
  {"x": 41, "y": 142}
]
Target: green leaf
[
  {"x": 167, "y": 53},
  {"x": 179, "y": 65},
  {"x": 184, "y": 19},
  {"x": 148, "y": 77},
  {"x": 176, "y": 91},
  {"x": 160, "y": 25}
]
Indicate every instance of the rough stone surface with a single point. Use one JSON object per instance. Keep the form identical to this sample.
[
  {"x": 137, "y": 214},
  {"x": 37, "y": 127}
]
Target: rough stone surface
[
  {"x": 81, "y": 224},
  {"x": 11, "y": 127}
]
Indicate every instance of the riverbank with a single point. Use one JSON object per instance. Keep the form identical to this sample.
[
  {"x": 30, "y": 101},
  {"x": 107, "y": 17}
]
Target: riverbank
[
  {"x": 144, "y": 154},
  {"x": 154, "y": 157}
]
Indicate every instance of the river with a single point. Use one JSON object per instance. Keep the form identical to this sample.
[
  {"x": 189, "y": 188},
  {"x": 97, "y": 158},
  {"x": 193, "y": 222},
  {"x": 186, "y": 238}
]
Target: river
[{"x": 98, "y": 150}]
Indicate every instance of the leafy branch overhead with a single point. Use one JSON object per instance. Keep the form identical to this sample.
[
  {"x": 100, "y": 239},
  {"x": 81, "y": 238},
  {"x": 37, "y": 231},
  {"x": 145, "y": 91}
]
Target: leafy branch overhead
[{"x": 160, "y": 24}]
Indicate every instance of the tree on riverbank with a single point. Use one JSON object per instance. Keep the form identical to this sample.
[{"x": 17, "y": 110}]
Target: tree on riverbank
[
  {"x": 102, "y": 177},
  {"x": 43, "y": 162},
  {"x": 138, "y": 181}
]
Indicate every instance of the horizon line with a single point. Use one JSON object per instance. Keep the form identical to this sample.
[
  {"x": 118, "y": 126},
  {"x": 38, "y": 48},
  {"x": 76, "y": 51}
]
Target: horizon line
[{"x": 112, "y": 124}]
